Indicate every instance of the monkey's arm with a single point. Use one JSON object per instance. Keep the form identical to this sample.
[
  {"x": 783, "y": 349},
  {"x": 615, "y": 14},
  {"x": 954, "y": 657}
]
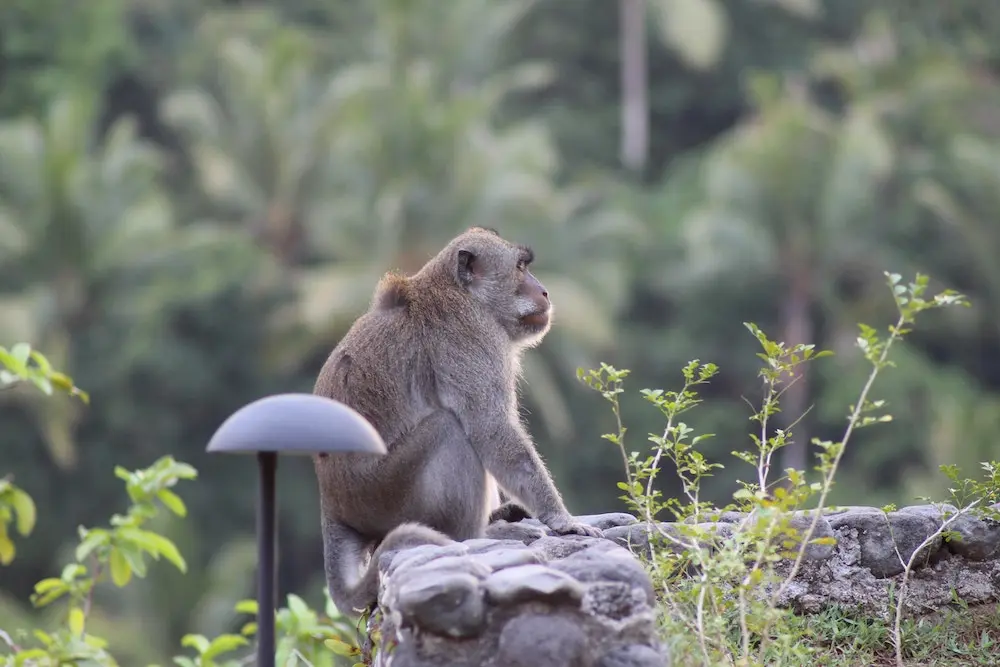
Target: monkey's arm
[{"x": 508, "y": 453}]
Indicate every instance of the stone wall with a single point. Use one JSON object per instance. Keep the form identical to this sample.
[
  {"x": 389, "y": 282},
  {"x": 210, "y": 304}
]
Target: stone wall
[
  {"x": 525, "y": 597},
  {"x": 866, "y": 564},
  {"x": 521, "y": 597}
]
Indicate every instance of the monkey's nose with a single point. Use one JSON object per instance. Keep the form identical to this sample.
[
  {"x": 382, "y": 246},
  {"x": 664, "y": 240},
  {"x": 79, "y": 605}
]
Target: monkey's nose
[{"x": 545, "y": 294}]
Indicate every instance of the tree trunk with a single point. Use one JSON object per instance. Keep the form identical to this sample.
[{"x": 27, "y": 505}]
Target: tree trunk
[
  {"x": 797, "y": 329},
  {"x": 635, "y": 85}
]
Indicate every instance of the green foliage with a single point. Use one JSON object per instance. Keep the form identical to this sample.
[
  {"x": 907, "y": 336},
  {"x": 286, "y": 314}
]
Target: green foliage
[{"x": 19, "y": 365}]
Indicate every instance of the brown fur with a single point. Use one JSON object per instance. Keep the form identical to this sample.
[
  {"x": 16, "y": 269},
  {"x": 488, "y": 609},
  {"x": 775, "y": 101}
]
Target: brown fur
[{"x": 434, "y": 365}]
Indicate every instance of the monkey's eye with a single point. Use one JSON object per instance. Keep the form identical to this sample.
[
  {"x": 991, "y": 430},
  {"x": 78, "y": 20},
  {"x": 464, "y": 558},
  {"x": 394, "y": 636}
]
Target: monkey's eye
[{"x": 522, "y": 265}]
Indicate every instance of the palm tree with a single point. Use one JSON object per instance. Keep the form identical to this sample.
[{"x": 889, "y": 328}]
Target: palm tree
[
  {"x": 84, "y": 219},
  {"x": 792, "y": 195}
]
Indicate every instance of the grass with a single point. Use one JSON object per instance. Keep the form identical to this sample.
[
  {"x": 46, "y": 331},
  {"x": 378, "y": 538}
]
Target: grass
[{"x": 960, "y": 635}]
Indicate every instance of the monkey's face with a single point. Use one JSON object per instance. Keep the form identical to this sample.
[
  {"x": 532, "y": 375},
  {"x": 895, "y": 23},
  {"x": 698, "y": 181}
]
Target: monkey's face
[
  {"x": 532, "y": 305},
  {"x": 496, "y": 274}
]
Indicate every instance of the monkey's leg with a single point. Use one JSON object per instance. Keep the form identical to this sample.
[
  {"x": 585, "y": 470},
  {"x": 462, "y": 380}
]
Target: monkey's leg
[
  {"x": 350, "y": 589},
  {"x": 509, "y": 455},
  {"x": 451, "y": 489},
  {"x": 344, "y": 550}
]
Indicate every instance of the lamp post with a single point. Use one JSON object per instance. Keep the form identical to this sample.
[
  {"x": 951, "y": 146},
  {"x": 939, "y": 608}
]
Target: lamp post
[{"x": 300, "y": 424}]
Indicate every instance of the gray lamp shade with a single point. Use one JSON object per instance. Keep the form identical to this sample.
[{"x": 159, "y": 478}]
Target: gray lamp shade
[{"x": 296, "y": 424}]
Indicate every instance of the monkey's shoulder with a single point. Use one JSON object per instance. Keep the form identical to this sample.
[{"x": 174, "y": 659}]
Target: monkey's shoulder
[{"x": 394, "y": 292}]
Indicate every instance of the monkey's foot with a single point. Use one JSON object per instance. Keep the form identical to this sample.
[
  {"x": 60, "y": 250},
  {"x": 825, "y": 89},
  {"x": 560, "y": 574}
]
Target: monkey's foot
[{"x": 566, "y": 525}]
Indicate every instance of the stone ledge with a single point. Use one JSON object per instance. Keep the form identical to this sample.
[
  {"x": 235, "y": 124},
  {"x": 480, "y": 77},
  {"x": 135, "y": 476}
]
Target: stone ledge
[
  {"x": 525, "y": 596},
  {"x": 520, "y": 597}
]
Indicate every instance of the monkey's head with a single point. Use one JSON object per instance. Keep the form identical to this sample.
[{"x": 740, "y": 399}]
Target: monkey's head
[{"x": 495, "y": 273}]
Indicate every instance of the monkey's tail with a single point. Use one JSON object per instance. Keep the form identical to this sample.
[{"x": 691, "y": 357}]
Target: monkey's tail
[{"x": 363, "y": 594}]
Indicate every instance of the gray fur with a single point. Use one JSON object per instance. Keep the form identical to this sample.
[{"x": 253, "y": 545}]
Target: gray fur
[{"x": 434, "y": 365}]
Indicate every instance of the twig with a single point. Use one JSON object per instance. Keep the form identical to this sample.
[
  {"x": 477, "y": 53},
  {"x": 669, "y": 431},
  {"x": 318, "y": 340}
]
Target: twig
[
  {"x": 828, "y": 481},
  {"x": 897, "y": 634},
  {"x": 9, "y": 642}
]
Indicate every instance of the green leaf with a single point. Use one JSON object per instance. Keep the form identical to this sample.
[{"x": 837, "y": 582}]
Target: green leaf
[
  {"x": 223, "y": 644},
  {"x": 94, "y": 539},
  {"x": 42, "y": 382},
  {"x": 21, "y": 352},
  {"x": 246, "y": 607},
  {"x": 157, "y": 545},
  {"x": 25, "y": 508},
  {"x": 76, "y": 621},
  {"x": 23, "y": 657},
  {"x": 342, "y": 648},
  {"x": 121, "y": 571},
  {"x": 297, "y": 606},
  {"x": 197, "y": 642},
  {"x": 7, "y": 549},
  {"x": 48, "y": 584},
  {"x": 12, "y": 364},
  {"x": 172, "y": 502},
  {"x": 133, "y": 554},
  {"x": 43, "y": 363}
]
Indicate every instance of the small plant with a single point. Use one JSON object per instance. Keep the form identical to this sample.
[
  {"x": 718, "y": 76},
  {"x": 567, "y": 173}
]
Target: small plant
[
  {"x": 305, "y": 638},
  {"x": 116, "y": 553},
  {"x": 22, "y": 365},
  {"x": 721, "y": 590}
]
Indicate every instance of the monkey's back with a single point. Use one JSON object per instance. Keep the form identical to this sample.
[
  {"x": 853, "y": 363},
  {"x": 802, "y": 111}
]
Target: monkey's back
[{"x": 382, "y": 370}]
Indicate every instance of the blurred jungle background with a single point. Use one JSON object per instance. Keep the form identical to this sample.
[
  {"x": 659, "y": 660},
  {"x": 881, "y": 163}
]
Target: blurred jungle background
[{"x": 197, "y": 198}]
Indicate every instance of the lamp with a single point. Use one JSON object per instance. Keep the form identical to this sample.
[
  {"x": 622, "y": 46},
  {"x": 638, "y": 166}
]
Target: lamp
[{"x": 294, "y": 423}]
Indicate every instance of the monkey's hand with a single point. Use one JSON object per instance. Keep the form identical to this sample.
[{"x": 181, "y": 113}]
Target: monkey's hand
[{"x": 565, "y": 524}]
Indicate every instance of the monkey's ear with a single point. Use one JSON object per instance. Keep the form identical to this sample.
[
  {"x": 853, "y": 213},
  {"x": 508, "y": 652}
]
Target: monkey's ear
[{"x": 465, "y": 269}]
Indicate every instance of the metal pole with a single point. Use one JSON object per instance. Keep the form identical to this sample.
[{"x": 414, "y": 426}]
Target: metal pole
[{"x": 267, "y": 464}]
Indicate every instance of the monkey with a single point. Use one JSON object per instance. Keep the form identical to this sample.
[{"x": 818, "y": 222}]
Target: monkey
[
  {"x": 509, "y": 511},
  {"x": 433, "y": 365}
]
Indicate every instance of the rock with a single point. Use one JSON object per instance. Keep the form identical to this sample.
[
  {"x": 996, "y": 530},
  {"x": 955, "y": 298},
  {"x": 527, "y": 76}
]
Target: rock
[
  {"x": 635, "y": 537},
  {"x": 447, "y": 604},
  {"x": 500, "y": 559},
  {"x": 406, "y": 655},
  {"x": 462, "y": 564},
  {"x": 485, "y": 545},
  {"x": 553, "y": 548},
  {"x": 609, "y": 520},
  {"x": 633, "y": 655},
  {"x": 419, "y": 555},
  {"x": 521, "y": 531},
  {"x": 614, "y": 600},
  {"x": 980, "y": 538},
  {"x": 717, "y": 517},
  {"x": 880, "y": 535},
  {"x": 606, "y": 565},
  {"x": 541, "y": 640},
  {"x": 532, "y": 582},
  {"x": 841, "y": 509},
  {"x": 800, "y": 522}
]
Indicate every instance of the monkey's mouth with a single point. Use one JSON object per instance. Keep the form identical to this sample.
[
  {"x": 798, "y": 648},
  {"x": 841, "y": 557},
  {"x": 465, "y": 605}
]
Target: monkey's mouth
[{"x": 539, "y": 319}]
